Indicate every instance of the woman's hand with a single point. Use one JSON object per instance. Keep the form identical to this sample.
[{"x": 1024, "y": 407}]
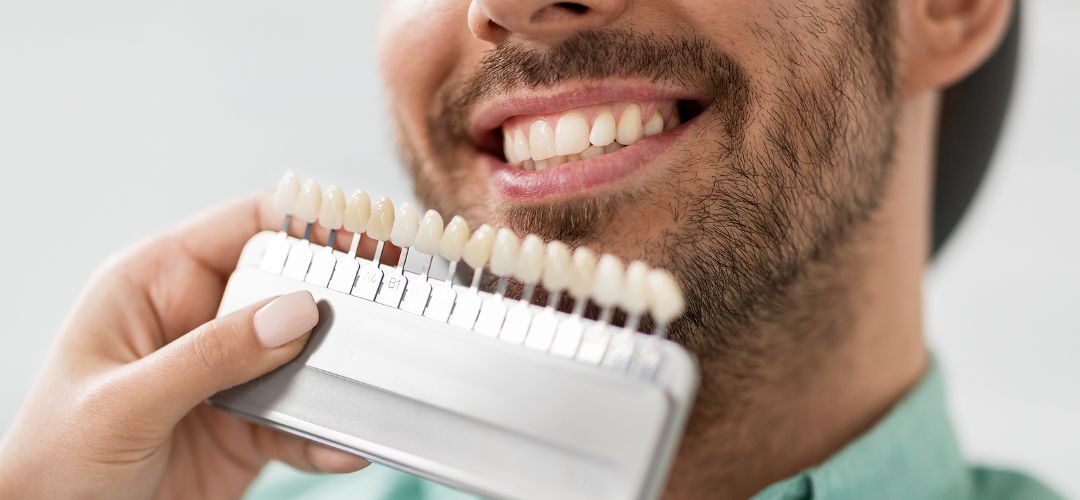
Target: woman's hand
[{"x": 119, "y": 411}]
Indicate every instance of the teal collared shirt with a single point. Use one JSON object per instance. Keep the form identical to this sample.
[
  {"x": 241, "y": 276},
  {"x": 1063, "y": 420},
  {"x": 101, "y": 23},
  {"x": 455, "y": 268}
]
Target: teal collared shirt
[{"x": 911, "y": 453}]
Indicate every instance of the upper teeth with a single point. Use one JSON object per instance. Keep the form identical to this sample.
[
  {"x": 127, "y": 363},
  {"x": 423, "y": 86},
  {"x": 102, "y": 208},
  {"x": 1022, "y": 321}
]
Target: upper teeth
[{"x": 540, "y": 142}]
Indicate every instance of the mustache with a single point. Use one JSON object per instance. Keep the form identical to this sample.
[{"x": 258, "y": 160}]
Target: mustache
[{"x": 690, "y": 62}]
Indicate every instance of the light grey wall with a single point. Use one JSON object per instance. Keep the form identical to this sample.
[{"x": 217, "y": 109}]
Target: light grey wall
[
  {"x": 120, "y": 117},
  {"x": 1002, "y": 300}
]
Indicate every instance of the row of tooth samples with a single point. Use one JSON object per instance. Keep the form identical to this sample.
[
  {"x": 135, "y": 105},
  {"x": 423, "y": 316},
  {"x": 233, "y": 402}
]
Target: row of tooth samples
[
  {"x": 636, "y": 288},
  {"x": 538, "y": 143}
]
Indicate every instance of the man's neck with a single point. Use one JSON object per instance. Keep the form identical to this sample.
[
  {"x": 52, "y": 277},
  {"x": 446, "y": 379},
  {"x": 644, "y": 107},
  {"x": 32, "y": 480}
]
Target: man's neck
[{"x": 758, "y": 423}]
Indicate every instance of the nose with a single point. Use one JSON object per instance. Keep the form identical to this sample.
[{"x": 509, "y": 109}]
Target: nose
[{"x": 539, "y": 20}]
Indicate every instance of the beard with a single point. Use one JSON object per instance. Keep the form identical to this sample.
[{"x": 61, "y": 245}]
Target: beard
[{"x": 786, "y": 169}]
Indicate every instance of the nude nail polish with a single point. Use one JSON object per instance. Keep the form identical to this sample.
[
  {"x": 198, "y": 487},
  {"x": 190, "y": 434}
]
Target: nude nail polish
[{"x": 285, "y": 319}]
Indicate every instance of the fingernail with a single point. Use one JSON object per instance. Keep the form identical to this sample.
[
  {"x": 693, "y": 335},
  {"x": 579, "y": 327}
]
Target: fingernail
[{"x": 285, "y": 319}]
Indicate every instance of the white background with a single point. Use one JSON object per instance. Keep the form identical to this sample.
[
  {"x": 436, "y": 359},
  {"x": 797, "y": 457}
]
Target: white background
[{"x": 120, "y": 117}]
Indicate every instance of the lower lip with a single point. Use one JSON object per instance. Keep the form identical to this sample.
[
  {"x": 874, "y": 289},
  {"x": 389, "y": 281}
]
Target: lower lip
[{"x": 579, "y": 176}]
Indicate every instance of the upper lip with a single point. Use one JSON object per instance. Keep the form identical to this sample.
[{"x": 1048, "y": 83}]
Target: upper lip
[{"x": 490, "y": 114}]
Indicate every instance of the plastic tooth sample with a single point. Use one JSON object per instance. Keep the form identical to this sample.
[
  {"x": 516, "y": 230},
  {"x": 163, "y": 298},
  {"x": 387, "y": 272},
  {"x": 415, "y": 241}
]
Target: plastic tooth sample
[
  {"x": 406, "y": 224},
  {"x": 428, "y": 236},
  {"x": 395, "y": 288},
  {"x": 557, "y": 270},
  {"x": 477, "y": 251},
  {"x": 452, "y": 244},
  {"x": 382, "y": 219},
  {"x": 355, "y": 220},
  {"x": 379, "y": 227},
  {"x": 332, "y": 212},
  {"x": 331, "y": 215},
  {"x": 635, "y": 293},
  {"x": 569, "y": 334},
  {"x": 403, "y": 233},
  {"x": 504, "y": 257},
  {"x": 556, "y": 276},
  {"x": 284, "y": 200},
  {"x": 665, "y": 299},
  {"x": 581, "y": 282},
  {"x": 606, "y": 292},
  {"x": 381, "y": 224},
  {"x": 621, "y": 348},
  {"x": 530, "y": 264},
  {"x": 608, "y": 285},
  {"x": 357, "y": 213},
  {"x": 636, "y": 288},
  {"x": 418, "y": 294},
  {"x": 308, "y": 204},
  {"x": 454, "y": 238},
  {"x": 285, "y": 196},
  {"x": 430, "y": 233}
]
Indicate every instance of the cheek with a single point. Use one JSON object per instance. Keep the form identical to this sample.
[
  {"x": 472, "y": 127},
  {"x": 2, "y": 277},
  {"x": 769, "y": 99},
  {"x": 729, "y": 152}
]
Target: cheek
[{"x": 419, "y": 46}]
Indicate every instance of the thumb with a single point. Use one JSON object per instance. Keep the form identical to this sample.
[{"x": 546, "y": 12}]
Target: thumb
[{"x": 223, "y": 353}]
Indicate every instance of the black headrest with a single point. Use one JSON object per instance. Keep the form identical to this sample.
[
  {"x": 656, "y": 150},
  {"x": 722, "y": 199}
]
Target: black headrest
[{"x": 972, "y": 115}]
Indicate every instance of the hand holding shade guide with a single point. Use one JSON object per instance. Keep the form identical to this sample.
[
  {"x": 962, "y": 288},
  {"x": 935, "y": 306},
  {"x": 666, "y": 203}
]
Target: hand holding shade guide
[{"x": 446, "y": 379}]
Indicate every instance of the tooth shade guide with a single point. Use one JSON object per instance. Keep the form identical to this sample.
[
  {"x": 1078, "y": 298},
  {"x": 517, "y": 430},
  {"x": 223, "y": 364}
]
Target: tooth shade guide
[
  {"x": 506, "y": 258},
  {"x": 381, "y": 223},
  {"x": 308, "y": 204},
  {"x": 502, "y": 256},
  {"x": 284, "y": 200},
  {"x": 515, "y": 324},
  {"x": 286, "y": 193},
  {"x": 596, "y": 360},
  {"x": 610, "y": 342}
]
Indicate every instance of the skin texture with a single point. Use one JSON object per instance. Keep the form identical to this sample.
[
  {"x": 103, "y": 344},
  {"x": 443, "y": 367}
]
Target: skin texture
[{"x": 794, "y": 210}]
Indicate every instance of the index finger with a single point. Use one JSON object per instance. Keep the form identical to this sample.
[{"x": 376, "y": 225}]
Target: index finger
[{"x": 215, "y": 238}]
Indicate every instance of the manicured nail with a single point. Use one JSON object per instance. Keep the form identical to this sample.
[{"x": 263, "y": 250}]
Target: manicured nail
[{"x": 285, "y": 319}]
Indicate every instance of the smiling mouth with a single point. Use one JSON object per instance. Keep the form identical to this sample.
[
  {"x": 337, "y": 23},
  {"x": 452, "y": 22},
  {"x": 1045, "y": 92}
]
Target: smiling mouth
[
  {"x": 541, "y": 142},
  {"x": 583, "y": 138}
]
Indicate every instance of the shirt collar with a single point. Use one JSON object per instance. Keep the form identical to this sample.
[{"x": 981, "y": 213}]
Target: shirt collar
[{"x": 911, "y": 453}]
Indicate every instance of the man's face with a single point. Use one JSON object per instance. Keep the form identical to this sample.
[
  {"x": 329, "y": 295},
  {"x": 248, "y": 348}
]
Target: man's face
[{"x": 769, "y": 148}]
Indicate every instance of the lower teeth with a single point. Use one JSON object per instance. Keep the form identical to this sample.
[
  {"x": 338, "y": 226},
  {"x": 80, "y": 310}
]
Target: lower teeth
[{"x": 555, "y": 161}]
